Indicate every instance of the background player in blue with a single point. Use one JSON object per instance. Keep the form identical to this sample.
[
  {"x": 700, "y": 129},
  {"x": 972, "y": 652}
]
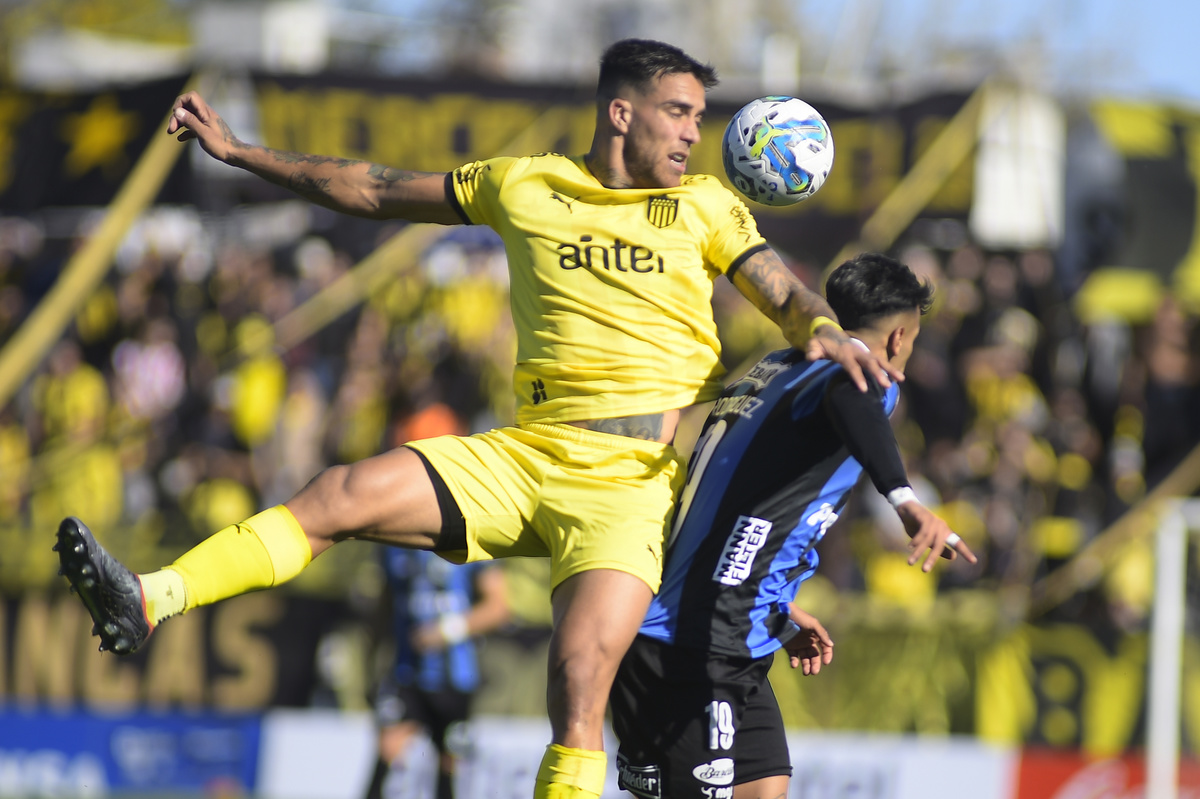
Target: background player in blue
[
  {"x": 774, "y": 464},
  {"x": 436, "y": 611}
]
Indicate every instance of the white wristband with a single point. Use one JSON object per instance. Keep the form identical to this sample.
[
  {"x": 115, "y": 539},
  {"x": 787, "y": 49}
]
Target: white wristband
[
  {"x": 453, "y": 628},
  {"x": 898, "y": 496}
]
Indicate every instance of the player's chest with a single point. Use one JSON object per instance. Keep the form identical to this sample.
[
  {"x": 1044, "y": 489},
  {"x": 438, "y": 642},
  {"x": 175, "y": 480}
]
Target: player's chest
[{"x": 638, "y": 236}]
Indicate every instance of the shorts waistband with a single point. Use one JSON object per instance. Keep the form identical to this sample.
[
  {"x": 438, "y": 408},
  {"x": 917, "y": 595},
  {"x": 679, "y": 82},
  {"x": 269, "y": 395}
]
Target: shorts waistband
[{"x": 593, "y": 438}]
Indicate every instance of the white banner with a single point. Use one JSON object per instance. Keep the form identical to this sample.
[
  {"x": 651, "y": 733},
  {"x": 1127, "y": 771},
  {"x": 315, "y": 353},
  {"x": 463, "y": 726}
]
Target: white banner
[{"x": 329, "y": 755}]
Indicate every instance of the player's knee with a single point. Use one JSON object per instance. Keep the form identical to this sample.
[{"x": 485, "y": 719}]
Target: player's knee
[
  {"x": 580, "y": 674},
  {"x": 341, "y": 492}
]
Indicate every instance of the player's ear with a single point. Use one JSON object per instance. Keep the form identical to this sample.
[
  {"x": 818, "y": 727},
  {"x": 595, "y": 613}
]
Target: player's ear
[
  {"x": 895, "y": 340},
  {"x": 620, "y": 112}
]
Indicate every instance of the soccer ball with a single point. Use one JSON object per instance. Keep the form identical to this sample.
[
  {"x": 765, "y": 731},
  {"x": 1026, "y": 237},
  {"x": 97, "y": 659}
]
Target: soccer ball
[{"x": 777, "y": 150}]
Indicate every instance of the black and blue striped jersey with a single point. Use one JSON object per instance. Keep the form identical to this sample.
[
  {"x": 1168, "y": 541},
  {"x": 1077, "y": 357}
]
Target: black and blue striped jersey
[
  {"x": 424, "y": 587},
  {"x": 772, "y": 468}
]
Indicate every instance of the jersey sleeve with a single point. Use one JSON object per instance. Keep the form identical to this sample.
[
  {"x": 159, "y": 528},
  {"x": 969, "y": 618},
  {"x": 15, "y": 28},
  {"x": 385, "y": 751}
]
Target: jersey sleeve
[
  {"x": 862, "y": 423},
  {"x": 735, "y": 234},
  {"x": 476, "y": 190}
]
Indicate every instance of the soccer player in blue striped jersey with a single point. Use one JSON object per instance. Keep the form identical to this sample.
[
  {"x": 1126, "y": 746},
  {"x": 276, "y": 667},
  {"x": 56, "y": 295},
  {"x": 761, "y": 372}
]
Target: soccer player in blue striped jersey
[
  {"x": 773, "y": 467},
  {"x": 437, "y": 610}
]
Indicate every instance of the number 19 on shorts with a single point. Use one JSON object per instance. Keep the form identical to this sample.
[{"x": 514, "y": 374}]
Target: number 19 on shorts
[{"x": 720, "y": 725}]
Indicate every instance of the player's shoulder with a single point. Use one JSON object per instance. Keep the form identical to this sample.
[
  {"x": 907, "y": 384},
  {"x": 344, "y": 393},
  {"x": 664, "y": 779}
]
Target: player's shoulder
[
  {"x": 888, "y": 395},
  {"x": 707, "y": 192},
  {"x": 547, "y": 162},
  {"x": 512, "y": 166},
  {"x": 706, "y": 184}
]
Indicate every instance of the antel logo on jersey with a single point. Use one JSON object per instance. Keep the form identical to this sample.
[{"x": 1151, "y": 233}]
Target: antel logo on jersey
[
  {"x": 643, "y": 781},
  {"x": 748, "y": 536},
  {"x": 718, "y": 772},
  {"x": 620, "y": 256}
]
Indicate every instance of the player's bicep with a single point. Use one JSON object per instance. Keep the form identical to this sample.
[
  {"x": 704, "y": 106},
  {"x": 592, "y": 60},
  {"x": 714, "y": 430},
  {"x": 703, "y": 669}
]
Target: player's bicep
[{"x": 864, "y": 427}]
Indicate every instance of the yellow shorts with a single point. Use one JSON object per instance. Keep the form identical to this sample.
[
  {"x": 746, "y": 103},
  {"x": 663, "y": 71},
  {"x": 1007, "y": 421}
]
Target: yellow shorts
[{"x": 584, "y": 499}]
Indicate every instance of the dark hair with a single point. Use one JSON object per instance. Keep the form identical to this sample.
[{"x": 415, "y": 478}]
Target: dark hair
[
  {"x": 871, "y": 286},
  {"x": 636, "y": 62}
]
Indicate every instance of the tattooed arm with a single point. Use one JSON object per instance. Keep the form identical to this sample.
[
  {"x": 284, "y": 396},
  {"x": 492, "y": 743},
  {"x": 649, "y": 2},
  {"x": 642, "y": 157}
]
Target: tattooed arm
[
  {"x": 767, "y": 282},
  {"x": 353, "y": 187}
]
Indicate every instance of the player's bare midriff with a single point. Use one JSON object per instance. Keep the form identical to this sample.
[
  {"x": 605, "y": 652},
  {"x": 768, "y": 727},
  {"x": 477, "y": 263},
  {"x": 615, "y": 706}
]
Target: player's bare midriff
[{"x": 658, "y": 427}]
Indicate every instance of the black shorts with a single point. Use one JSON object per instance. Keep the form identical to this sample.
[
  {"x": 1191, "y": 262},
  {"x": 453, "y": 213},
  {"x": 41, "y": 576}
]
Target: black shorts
[
  {"x": 436, "y": 711},
  {"x": 693, "y": 724}
]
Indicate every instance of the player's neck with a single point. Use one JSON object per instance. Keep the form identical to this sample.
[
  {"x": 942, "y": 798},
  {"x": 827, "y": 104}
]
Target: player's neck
[
  {"x": 871, "y": 343},
  {"x": 603, "y": 170}
]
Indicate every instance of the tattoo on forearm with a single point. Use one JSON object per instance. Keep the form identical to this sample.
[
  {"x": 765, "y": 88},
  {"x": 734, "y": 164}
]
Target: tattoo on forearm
[
  {"x": 303, "y": 158},
  {"x": 781, "y": 295},
  {"x": 648, "y": 427},
  {"x": 389, "y": 174},
  {"x": 308, "y": 185},
  {"x": 769, "y": 277}
]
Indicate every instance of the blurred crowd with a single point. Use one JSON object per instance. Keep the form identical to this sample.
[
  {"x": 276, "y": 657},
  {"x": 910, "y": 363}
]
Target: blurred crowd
[{"x": 167, "y": 410}]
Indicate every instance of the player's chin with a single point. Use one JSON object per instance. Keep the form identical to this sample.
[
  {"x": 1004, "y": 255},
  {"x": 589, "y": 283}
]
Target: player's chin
[{"x": 672, "y": 175}]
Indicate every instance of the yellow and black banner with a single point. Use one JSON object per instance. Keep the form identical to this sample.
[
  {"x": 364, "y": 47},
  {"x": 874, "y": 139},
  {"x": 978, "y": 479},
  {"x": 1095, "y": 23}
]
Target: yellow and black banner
[
  {"x": 438, "y": 126},
  {"x": 76, "y": 149}
]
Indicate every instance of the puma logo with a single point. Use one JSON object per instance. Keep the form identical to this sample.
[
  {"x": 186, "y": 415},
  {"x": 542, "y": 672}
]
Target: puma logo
[{"x": 556, "y": 196}]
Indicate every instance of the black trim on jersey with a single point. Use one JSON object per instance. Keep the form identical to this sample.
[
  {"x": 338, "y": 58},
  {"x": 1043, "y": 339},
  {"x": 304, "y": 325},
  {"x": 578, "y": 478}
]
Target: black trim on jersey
[
  {"x": 858, "y": 418},
  {"x": 452, "y": 198},
  {"x": 741, "y": 259}
]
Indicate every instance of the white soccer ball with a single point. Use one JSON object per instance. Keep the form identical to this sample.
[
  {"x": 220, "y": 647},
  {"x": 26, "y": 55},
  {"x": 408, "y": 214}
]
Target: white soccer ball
[{"x": 777, "y": 150}]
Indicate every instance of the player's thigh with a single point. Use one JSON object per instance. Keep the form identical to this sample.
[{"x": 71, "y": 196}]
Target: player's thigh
[
  {"x": 447, "y": 710},
  {"x": 597, "y": 613},
  {"x": 494, "y": 481},
  {"x": 677, "y": 715},
  {"x": 402, "y": 714},
  {"x": 765, "y": 788},
  {"x": 761, "y": 750},
  {"x": 608, "y": 505},
  {"x": 388, "y": 498}
]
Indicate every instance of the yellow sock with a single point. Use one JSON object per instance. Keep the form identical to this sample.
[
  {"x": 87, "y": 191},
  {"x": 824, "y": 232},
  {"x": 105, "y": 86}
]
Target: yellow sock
[
  {"x": 267, "y": 549},
  {"x": 164, "y": 593},
  {"x": 570, "y": 774}
]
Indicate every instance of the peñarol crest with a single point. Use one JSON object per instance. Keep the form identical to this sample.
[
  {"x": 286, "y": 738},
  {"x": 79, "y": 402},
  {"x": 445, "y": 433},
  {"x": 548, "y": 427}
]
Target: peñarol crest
[{"x": 662, "y": 211}]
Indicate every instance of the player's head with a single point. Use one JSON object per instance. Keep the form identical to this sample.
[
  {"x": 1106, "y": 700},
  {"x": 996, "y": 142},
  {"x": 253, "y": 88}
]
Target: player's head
[
  {"x": 877, "y": 296},
  {"x": 650, "y": 100},
  {"x": 636, "y": 63}
]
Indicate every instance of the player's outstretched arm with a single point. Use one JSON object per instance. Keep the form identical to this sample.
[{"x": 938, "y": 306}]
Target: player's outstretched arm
[
  {"x": 767, "y": 282},
  {"x": 810, "y": 648},
  {"x": 927, "y": 531},
  {"x": 353, "y": 187}
]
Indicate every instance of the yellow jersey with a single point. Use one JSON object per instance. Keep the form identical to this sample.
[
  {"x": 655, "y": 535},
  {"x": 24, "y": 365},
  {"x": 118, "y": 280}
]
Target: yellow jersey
[{"x": 611, "y": 289}]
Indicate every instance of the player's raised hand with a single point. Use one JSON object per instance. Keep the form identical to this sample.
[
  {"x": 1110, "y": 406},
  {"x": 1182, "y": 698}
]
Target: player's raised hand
[
  {"x": 927, "y": 531},
  {"x": 810, "y": 648},
  {"x": 193, "y": 118},
  {"x": 829, "y": 342}
]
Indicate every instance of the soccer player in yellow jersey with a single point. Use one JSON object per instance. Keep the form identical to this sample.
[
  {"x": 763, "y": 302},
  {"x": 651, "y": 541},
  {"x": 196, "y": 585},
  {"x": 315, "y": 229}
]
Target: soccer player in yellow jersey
[{"x": 612, "y": 255}]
